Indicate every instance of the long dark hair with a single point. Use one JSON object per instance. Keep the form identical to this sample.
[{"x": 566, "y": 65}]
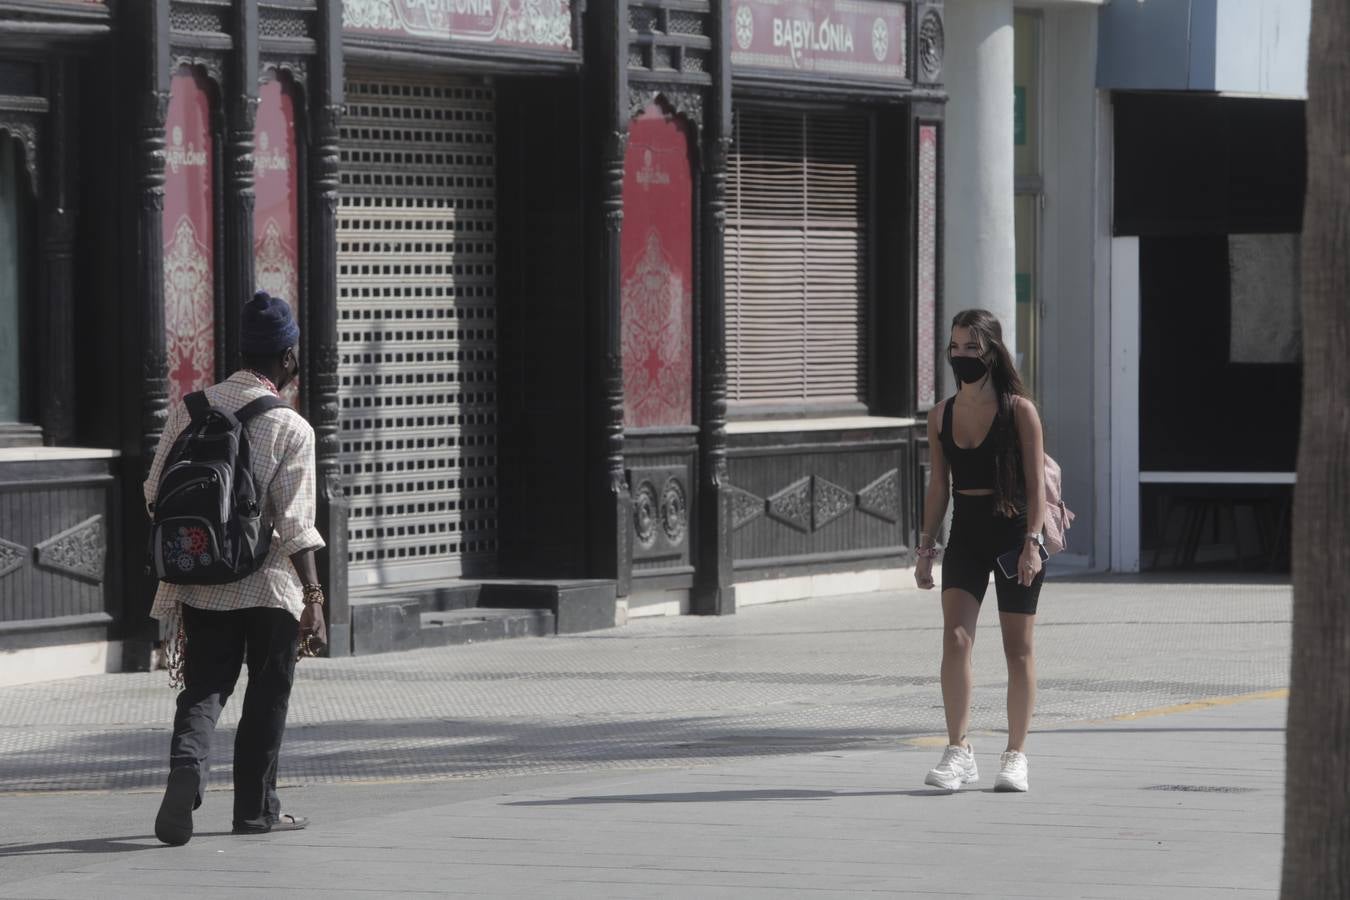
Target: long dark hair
[{"x": 1009, "y": 479}]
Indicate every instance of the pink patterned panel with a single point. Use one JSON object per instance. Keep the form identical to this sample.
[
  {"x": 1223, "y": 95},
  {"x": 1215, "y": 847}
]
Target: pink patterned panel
[
  {"x": 189, "y": 263},
  {"x": 927, "y": 266},
  {"x": 276, "y": 228},
  {"x": 657, "y": 257}
]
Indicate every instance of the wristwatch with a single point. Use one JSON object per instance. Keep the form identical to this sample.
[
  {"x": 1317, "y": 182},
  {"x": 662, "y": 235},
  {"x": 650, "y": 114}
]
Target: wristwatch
[{"x": 1036, "y": 537}]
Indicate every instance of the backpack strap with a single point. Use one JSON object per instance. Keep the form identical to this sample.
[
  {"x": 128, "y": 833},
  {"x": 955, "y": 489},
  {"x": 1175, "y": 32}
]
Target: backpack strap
[
  {"x": 258, "y": 407},
  {"x": 197, "y": 405}
]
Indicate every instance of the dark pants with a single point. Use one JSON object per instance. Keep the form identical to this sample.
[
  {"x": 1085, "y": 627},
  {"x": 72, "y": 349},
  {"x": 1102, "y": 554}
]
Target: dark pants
[{"x": 218, "y": 643}]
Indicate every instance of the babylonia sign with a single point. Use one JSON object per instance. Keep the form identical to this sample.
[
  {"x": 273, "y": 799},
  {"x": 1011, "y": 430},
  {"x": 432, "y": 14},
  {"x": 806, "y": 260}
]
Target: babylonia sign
[
  {"x": 848, "y": 38},
  {"x": 541, "y": 24}
]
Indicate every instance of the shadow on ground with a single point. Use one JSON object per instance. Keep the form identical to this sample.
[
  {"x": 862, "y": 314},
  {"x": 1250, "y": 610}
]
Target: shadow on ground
[{"x": 134, "y": 759}]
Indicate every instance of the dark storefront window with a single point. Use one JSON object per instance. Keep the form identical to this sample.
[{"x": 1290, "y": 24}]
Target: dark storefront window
[
  {"x": 796, "y": 258},
  {"x": 14, "y": 237}
]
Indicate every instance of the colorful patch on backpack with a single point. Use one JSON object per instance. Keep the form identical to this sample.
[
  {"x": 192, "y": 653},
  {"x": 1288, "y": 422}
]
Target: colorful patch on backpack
[{"x": 189, "y": 548}]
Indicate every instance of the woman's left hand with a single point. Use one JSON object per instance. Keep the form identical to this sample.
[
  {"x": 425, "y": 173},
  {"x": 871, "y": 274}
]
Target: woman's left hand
[{"x": 1029, "y": 566}]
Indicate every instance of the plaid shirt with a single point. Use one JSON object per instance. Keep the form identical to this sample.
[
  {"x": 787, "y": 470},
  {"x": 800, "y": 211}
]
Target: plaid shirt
[{"x": 281, "y": 447}]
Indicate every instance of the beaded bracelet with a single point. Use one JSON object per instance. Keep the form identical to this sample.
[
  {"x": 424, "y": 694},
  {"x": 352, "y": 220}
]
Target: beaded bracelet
[
  {"x": 927, "y": 552},
  {"x": 313, "y": 593}
]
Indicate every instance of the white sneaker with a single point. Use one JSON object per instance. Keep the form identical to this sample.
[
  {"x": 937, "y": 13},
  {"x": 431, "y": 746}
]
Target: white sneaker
[
  {"x": 957, "y": 768},
  {"x": 1012, "y": 773}
]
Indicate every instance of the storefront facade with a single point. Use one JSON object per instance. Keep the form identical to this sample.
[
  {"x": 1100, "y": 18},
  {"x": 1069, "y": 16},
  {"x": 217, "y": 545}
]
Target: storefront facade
[
  {"x": 632, "y": 307},
  {"x": 832, "y": 286},
  {"x": 61, "y": 603},
  {"x": 1204, "y": 240}
]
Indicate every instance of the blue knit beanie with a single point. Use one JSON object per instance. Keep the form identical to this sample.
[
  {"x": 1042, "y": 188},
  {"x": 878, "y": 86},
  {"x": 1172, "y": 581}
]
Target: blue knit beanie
[{"x": 267, "y": 326}]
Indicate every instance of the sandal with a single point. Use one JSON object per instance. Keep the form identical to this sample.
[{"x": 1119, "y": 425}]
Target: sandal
[{"x": 287, "y": 822}]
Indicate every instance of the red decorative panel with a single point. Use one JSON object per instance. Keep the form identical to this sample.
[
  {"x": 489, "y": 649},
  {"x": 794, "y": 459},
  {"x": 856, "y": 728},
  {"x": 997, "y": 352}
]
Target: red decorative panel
[
  {"x": 927, "y": 266},
  {"x": 276, "y": 222},
  {"x": 658, "y": 253},
  {"x": 189, "y": 239}
]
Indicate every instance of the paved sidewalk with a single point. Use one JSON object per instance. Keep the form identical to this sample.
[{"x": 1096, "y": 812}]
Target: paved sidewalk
[
  {"x": 1184, "y": 805},
  {"x": 779, "y": 752}
]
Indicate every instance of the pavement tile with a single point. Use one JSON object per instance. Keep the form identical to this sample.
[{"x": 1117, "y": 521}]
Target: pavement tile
[{"x": 760, "y": 755}]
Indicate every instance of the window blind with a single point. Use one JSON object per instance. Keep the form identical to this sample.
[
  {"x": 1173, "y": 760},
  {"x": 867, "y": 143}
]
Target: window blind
[{"x": 796, "y": 257}]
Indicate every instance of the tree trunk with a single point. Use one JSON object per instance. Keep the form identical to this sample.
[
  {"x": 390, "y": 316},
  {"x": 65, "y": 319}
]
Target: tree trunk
[{"x": 1317, "y": 798}]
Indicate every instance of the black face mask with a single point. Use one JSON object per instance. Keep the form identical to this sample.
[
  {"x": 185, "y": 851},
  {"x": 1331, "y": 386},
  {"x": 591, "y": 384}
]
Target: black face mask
[{"x": 969, "y": 369}]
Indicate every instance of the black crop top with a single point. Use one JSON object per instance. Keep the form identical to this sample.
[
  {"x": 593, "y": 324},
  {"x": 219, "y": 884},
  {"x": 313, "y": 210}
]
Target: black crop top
[{"x": 973, "y": 468}]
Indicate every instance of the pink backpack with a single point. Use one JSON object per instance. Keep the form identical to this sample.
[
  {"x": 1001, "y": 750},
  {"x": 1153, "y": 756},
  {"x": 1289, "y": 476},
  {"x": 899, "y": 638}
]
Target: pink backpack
[{"x": 1058, "y": 517}]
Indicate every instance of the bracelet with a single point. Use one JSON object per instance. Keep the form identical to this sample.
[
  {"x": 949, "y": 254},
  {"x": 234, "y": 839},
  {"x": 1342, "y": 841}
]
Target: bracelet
[
  {"x": 927, "y": 552},
  {"x": 313, "y": 593}
]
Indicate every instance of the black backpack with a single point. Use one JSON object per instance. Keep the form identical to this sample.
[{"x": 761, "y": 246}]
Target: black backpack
[{"x": 207, "y": 517}]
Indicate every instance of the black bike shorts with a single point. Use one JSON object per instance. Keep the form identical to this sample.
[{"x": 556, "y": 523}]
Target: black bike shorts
[{"x": 979, "y": 535}]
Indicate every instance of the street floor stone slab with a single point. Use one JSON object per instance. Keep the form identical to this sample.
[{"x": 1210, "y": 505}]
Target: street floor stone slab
[{"x": 776, "y": 753}]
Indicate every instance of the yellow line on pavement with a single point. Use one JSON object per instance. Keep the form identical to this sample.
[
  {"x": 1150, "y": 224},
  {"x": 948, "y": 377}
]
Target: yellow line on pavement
[
  {"x": 934, "y": 741},
  {"x": 940, "y": 740},
  {"x": 1278, "y": 694}
]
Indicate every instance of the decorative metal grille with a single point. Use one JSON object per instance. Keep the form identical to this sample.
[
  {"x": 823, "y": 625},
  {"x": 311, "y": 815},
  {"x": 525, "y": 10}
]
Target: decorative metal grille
[
  {"x": 197, "y": 21},
  {"x": 686, "y": 22},
  {"x": 283, "y": 23},
  {"x": 417, "y": 327}
]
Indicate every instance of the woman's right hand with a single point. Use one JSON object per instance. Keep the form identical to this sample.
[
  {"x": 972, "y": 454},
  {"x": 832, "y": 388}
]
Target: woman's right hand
[{"x": 923, "y": 574}]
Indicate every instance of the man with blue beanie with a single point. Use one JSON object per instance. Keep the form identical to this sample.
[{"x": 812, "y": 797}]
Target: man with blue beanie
[{"x": 267, "y": 618}]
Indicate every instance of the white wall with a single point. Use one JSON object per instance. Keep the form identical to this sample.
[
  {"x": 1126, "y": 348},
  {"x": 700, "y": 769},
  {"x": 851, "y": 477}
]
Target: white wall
[
  {"x": 1257, "y": 47},
  {"x": 1261, "y": 47},
  {"x": 1124, "y": 404},
  {"x": 978, "y": 262},
  {"x": 35, "y": 664},
  {"x": 1069, "y": 261}
]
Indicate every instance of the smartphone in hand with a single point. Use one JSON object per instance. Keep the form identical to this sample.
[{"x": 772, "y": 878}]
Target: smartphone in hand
[{"x": 1007, "y": 562}]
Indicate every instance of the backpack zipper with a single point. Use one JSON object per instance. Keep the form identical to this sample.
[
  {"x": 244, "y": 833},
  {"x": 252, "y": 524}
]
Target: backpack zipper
[{"x": 194, "y": 484}]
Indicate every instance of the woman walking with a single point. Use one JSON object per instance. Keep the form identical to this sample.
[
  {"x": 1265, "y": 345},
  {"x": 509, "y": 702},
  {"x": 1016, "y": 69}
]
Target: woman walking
[{"x": 987, "y": 439}]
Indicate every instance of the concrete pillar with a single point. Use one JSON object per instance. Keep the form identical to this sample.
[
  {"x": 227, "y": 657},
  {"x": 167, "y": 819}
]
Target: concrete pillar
[{"x": 978, "y": 163}]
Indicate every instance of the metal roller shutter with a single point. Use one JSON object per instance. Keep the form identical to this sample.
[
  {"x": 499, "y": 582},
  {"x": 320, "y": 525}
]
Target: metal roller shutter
[
  {"x": 796, "y": 257},
  {"x": 417, "y": 327}
]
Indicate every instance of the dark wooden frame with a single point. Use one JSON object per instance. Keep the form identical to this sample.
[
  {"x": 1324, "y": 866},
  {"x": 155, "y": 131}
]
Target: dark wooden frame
[
  {"x": 54, "y": 41},
  {"x": 625, "y": 67},
  {"x": 101, "y": 617},
  {"x": 674, "y": 445},
  {"x": 899, "y": 107},
  {"x": 21, "y": 120},
  {"x": 41, "y": 121},
  {"x": 46, "y": 24},
  {"x": 324, "y": 114},
  {"x": 235, "y": 55}
]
